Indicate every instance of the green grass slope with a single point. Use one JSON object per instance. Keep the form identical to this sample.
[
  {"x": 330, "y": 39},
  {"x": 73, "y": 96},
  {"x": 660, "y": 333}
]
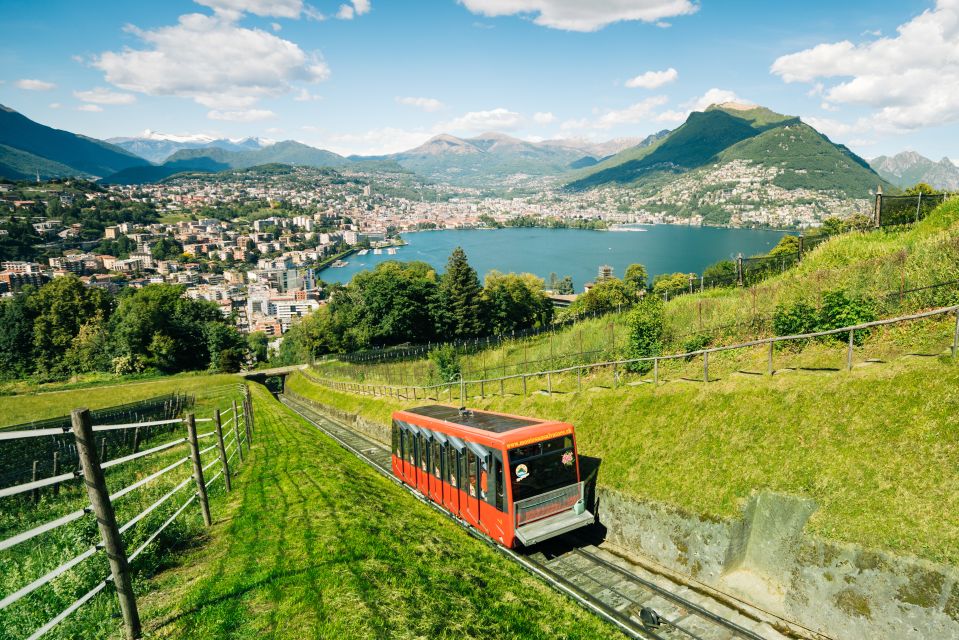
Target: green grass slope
[{"x": 314, "y": 544}]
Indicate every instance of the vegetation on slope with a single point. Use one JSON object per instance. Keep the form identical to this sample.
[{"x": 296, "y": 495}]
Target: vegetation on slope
[{"x": 314, "y": 544}]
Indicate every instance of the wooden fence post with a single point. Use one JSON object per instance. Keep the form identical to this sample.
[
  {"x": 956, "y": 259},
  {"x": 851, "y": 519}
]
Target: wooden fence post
[
  {"x": 579, "y": 378},
  {"x": 549, "y": 383},
  {"x": 198, "y": 469},
  {"x": 955, "y": 337},
  {"x": 35, "y": 494},
  {"x": 655, "y": 372},
  {"x": 222, "y": 449},
  {"x": 849, "y": 354},
  {"x": 106, "y": 520},
  {"x": 770, "y": 365},
  {"x": 524, "y": 385},
  {"x": 250, "y": 418},
  {"x": 136, "y": 440},
  {"x": 705, "y": 367}
]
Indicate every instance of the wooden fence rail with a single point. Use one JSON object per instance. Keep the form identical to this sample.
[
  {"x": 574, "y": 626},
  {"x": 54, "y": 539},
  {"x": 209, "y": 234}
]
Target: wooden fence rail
[
  {"x": 436, "y": 391},
  {"x": 101, "y": 501}
]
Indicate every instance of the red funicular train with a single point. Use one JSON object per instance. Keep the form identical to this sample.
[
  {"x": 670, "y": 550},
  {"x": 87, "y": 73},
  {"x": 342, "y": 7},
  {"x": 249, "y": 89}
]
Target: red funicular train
[{"x": 515, "y": 479}]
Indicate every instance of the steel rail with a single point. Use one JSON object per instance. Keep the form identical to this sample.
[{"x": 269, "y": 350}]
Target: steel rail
[
  {"x": 153, "y": 476},
  {"x": 134, "y": 425},
  {"x": 143, "y": 514},
  {"x": 154, "y": 535},
  {"x": 141, "y": 454},
  {"x": 43, "y": 528},
  {"x": 38, "y": 484},
  {"x": 47, "y": 577},
  {"x": 79, "y": 602}
]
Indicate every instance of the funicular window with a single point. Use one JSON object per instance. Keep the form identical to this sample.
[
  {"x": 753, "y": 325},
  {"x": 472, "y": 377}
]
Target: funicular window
[
  {"x": 411, "y": 448},
  {"x": 471, "y": 473},
  {"x": 397, "y": 449},
  {"x": 451, "y": 466},
  {"x": 437, "y": 459},
  {"x": 542, "y": 467},
  {"x": 498, "y": 481},
  {"x": 424, "y": 454}
]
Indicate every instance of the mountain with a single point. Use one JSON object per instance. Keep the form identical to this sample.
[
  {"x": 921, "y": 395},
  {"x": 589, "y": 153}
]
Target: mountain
[
  {"x": 157, "y": 147},
  {"x": 496, "y": 159},
  {"x": 27, "y": 147},
  {"x": 739, "y": 163},
  {"x": 908, "y": 168}
]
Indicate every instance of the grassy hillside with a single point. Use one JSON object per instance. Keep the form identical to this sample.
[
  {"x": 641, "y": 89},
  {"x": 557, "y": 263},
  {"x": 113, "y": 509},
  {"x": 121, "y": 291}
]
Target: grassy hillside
[
  {"x": 314, "y": 544},
  {"x": 874, "y": 447}
]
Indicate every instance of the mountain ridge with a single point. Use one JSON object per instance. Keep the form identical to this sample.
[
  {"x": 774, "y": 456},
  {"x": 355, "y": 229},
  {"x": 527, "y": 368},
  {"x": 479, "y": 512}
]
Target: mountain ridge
[{"x": 907, "y": 168}]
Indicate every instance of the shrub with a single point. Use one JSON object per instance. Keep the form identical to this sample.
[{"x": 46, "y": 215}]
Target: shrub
[
  {"x": 796, "y": 318},
  {"x": 445, "y": 364},
  {"x": 696, "y": 343},
  {"x": 839, "y": 310},
  {"x": 645, "y": 323}
]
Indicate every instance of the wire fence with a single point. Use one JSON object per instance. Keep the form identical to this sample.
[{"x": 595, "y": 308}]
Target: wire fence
[
  {"x": 226, "y": 434},
  {"x": 619, "y": 366},
  {"x": 899, "y": 210},
  {"x": 38, "y": 457}
]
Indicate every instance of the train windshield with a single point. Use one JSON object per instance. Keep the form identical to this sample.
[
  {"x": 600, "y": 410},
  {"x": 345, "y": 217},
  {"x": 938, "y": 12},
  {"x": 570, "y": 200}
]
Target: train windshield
[{"x": 541, "y": 467}]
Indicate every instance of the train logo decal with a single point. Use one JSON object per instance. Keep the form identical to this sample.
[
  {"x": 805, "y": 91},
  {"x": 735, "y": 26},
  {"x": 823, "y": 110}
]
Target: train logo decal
[
  {"x": 568, "y": 458},
  {"x": 521, "y": 472}
]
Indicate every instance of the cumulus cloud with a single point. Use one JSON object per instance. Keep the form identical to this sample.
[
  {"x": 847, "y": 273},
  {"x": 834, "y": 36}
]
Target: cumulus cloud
[
  {"x": 653, "y": 79},
  {"x": 348, "y": 11},
  {"x": 426, "y": 104},
  {"x": 93, "y": 108},
  {"x": 241, "y": 115},
  {"x": 643, "y": 111},
  {"x": 908, "y": 80},
  {"x": 28, "y": 84},
  {"x": 374, "y": 142},
  {"x": 102, "y": 95},
  {"x": 305, "y": 96},
  {"x": 272, "y": 8},
  {"x": 492, "y": 120},
  {"x": 54, "y": 105},
  {"x": 577, "y": 15},
  {"x": 211, "y": 60},
  {"x": 543, "y": 117}
]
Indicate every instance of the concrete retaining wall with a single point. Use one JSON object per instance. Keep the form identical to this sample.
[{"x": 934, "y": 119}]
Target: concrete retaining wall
[{"x": 765, "y": 558}]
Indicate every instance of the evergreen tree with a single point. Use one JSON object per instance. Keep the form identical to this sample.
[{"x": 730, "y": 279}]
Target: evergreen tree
[{"x": 460, "y": 298}]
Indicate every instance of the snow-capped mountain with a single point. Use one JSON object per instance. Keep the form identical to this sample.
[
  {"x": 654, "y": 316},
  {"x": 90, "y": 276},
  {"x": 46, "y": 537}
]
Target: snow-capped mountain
[{"x": 157, "y": 147}]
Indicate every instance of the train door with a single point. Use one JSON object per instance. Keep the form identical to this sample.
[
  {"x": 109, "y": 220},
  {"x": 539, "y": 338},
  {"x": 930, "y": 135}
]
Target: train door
[
  {"x": 474, "y": 478},
  {"x": 423, "y": 470},
  {"x": 410, "y": 452},
  {"x": 493, "y": 505}
]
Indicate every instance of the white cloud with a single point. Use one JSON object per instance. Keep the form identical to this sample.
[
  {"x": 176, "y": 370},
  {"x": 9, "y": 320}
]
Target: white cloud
[
  {"x": 276, "y": 26},
  {"x": 643, "y": 111},
  {"x": 426, "y": 104},
  {"x": 653, "y": 79},
  {"x": 493, "y": 120},
  {"x": 54, "y": 105},
  {"x": 711, "y": 97},
  {"x": 242, "y": 115},
  {"x": 28, "y": 84},
  {"x": 908, "y": 80},
  {"x": 306, "y": 96},
  {"x": 102, "y": 95},
  {"x": 543, "y": 117},
  {"x": 582, "y": 15},
  {"x": 375, "y": 142},
  {"x": 211, "y": 60},
  {"x": 355, "y": 8},
  {"x": 272, "y": 8},
  {"x": 93, "y": 108}
]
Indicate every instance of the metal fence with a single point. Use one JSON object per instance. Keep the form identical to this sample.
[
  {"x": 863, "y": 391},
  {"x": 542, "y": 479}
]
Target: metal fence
[
  {"x": 436, "y": 392},
  {"x": 40, "y": 457},
  {"x": 236, "y": 423},
  {"x": 898, "y": 210}
]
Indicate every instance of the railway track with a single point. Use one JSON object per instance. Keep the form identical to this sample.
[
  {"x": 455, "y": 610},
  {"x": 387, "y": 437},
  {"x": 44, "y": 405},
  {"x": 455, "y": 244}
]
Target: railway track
[{"x": 640, "y": 603}]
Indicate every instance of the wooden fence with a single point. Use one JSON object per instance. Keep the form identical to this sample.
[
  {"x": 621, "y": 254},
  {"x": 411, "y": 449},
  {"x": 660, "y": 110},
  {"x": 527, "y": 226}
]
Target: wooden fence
[
  {"x": 435, "y": 392},
  {"x": 236, "y": 422}
]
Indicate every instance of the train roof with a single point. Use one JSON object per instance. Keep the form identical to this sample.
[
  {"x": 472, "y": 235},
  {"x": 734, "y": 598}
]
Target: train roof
[{"x": 484, "y": 420}]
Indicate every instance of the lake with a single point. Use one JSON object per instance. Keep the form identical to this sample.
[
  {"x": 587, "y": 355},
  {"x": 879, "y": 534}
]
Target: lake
[{"x": 574, "y": 252}]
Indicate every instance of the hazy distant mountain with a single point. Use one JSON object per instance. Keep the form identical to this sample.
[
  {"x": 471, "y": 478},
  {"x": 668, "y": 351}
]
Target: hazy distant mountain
[
  {"x": 496, "y": 159},
  {"x": 908, "y": 168},
  {"x": 157, "y": 147},
  {"x": 27, "y": 147},
  {"x": 801, "y": 156}
]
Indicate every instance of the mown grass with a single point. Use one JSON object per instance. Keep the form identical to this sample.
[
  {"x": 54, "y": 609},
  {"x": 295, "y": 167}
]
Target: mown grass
[
  {"x": 28, "y": 561},
  {"x": 876, "y": 447},
  {"x": 314, "y": 544},
  {"x": 24, "y": 407}
]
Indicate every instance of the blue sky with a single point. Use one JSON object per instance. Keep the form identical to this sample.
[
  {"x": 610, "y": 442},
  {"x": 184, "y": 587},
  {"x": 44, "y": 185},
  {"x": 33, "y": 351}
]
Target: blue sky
[{"x": 376, "y": 76}]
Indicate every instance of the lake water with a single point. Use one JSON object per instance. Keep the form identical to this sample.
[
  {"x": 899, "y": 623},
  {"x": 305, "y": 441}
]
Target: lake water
[{"x": 574, "y": 252}]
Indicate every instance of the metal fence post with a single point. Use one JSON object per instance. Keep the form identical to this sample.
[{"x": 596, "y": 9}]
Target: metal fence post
[
  {"x": 222, "y": 449},
  {"x": 250, "y": 420},
  {"x": 56, "y": 472},
  {"x": 106, "y": 520},
  {"x": 198, "y": 469},
  {"x": 35, "y": 494}
]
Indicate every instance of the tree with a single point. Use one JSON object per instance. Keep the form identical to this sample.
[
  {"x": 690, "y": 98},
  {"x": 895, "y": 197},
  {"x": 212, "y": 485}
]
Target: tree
[
  {"x": 645, "y": 324},
  {"x": 566, "y": 287},
  {"x": 460, "y": 298},
  {"x": 605, "y": 296},
  {"x": 670, "y": 284},
  {"x": 61, "y": 308},
  {"x": 513, "y": 302},
  {"x": 721, "y": 273},
  {"x": 922, "y": 188},
  {"x": 167, "y": 249},
  {"x": 16, "y": 337},
  {"x": 636, "y": 277},
  {"x": 788, "y": 245},
  {"x": 258, "y": 344}
]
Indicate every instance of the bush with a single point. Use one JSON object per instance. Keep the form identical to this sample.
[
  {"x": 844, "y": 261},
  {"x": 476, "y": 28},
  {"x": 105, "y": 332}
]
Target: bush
[
  {"x": 697, "y": 343},
  {"x": 839, "y": 310},
  {"x": 796, "y": 318},
  {"x": 445, "y": 364},
  {"x": 645, "y": 323}
]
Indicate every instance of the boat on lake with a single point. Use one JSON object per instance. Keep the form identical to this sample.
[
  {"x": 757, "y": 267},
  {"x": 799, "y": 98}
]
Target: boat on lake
[{"x": 339, "y": 263}]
